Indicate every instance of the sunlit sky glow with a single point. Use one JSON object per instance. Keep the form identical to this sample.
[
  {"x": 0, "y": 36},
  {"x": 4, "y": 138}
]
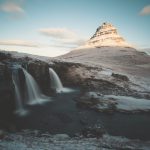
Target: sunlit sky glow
[{"x": 54, "y": 27}]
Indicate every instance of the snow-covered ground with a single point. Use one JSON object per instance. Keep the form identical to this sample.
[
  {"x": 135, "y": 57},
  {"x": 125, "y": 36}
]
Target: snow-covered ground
[
  {"x": 28, "y": 140},
  {"x": 120, "y": 103},
  {"x": 146, "y": 50},
  {"x": 130, "y": 103}
]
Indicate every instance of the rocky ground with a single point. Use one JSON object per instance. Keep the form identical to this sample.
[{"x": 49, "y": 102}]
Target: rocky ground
[
  {"x": 110, "y": 81},
  {"x": 113, "y": 71},
  {"x": 32, "y": 140},
  {"x": 113, "y": 103}
]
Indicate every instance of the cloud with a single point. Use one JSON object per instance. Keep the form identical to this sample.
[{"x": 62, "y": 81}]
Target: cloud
[
  {"x": 61, "y": 46},
  {"x": 13, "y": 8},
  {"x": 145, "y": 10},
  {"x": 62, "y": 36},
  {"x": 18, "y": 43},
  {"x": 76, "y": 41},
  {"x": 58, "y": 33}
]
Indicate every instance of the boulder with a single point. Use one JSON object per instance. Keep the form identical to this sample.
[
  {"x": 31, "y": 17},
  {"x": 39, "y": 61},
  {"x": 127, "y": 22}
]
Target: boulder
[
  {"x": 120, "y": 77},
  {"x": 97, "y": 102}
]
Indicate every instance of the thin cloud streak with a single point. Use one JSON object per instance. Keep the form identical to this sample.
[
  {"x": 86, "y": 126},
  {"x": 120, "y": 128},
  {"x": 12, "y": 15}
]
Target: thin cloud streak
[
  {"x": 145, "y": 11},
  {"x": 19, "y": 43},
  {"x": 58, "y": 33},
  {"x": 24, "y": 43},
  {"x": 14, "y": 8},
  {"x": 62, "y": 46},
  {"x": 62, "y": 36},
  {"x": 11, "y": 8},
  {"x": 77, "y": 41}
]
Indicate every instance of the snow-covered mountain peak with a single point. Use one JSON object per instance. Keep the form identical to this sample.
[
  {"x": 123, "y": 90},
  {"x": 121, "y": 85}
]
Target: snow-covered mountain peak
[{"x": 106, "y": 35}]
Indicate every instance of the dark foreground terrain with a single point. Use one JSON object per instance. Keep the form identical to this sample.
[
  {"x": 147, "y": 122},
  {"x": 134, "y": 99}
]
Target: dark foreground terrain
[{"x": 110, "y": 98}]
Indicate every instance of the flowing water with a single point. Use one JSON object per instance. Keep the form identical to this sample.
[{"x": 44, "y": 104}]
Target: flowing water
[
  {"x": 63, "y": 116},
  {"x": 55, "y": 81},
  {"x": 19, "y": 104},
  {"x": 32, "y": 93}
]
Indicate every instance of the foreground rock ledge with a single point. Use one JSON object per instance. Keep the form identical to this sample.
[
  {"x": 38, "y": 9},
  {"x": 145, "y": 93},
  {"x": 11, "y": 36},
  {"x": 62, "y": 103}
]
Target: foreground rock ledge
[{"x": 35, "y": 140}]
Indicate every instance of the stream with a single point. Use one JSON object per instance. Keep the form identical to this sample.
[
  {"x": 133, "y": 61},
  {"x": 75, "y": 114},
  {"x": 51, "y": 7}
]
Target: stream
[{"x": 61, "y": 115}]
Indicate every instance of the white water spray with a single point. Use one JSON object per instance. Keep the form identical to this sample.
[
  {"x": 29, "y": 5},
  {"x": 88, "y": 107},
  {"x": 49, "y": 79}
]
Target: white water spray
[
  {"x": 32, "y": 92},
  {"x": 55, "y": 81},
  {"x": 19, "y": 104}
]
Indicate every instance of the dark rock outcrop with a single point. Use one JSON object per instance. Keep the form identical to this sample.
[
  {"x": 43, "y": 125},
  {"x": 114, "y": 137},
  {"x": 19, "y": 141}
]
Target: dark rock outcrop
[
  {"x": 120, "y": 77},
  {"x": 90, "y": 78},
  {"x": 7, "y": 102},
  {"x": 4, "y": 56},
  {"x": 40, "y": 71},
  {"x": 66, "y": 72}
]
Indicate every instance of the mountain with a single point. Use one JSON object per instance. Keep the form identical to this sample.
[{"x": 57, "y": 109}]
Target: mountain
[
  {"x": 109, "y": 50},
  {"x": 106, "y": 35}
]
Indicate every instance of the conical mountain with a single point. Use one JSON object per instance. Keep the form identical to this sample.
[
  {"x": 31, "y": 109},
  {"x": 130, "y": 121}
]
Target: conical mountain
[
  {"x": 108, "y": 49},
  {"x": 106, "y": 35}
]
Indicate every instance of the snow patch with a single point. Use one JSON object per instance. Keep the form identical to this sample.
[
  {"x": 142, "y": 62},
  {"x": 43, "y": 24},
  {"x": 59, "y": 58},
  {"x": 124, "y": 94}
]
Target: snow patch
[
  {"x": 107, "y": 72},
  {"x": 130, "y": 103}
]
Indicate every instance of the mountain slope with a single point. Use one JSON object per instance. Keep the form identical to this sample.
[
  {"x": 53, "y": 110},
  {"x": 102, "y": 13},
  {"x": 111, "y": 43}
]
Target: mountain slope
[{"x": 108, "y": 50}]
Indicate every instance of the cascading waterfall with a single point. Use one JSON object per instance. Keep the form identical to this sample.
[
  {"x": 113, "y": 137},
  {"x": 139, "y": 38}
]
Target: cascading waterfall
[
  {"x": 32, "y": 92},
  {"x": 55, "y": 81},
  {"x": 19, "y": 104}
]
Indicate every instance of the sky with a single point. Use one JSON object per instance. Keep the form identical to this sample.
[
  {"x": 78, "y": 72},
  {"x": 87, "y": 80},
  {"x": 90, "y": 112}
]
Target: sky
[{"x": 54, "y": 27}]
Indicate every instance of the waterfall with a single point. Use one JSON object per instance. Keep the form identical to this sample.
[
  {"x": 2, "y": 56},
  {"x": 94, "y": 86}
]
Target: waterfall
[
  {"x": 19, "y": 104},
  {"x": 32, "y": 93},
  {"x": 55, "y": 81}
]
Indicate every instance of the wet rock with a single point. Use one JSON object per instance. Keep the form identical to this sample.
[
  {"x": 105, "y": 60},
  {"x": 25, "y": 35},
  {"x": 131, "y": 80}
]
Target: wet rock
[
  {"x": 90, "y": 78},
  {"x": 113, "y": 103},
  {"x": 97, "y": 102},
  {"x": 95, "y": 131},
  {"x": 4, "y": 56},
  {"x": 89, "y": 99},
  {"x": 4, "y": 72},
  {"x": 2, "y": 134},
  {"x": 106, "y": 106},
  {"x": 120, "y": 77},
  {"x": 7, "y": 102},
  {"x": 61, "y": 136},
  {"x": 65, "y": 72},
  {"x": 40, "y": 71},
  {"x": 107, "y": 87}
]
